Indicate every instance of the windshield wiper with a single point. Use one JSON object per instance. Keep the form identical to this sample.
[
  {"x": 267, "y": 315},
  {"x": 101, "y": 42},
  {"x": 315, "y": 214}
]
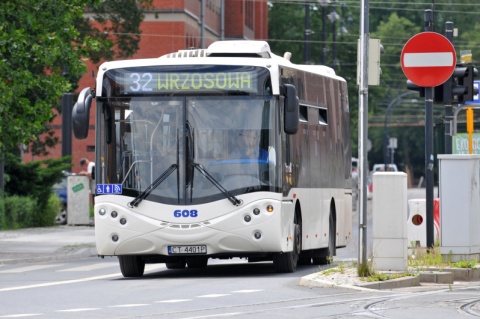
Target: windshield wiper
[
  {"x": 149, "y": 189},
  {"x": 235, "y": 201}
]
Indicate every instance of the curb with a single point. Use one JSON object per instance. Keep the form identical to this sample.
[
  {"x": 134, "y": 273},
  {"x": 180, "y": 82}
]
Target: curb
[
  {"x": 312, "y": 282},
  {"x": 404, "y": 282},
  {"x": 436, "y": 277},
  {"x": 460, "y": 274},
  {"x": 394, "y": 283}
]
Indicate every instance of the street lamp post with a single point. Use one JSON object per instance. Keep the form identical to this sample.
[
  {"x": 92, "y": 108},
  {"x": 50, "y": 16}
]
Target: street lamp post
[
  {"x": 307, "y": 33},
  {"x": 333, "y": 17},
  {"x": 324, "y": 4},
  {"x": 393, "y": 103}
]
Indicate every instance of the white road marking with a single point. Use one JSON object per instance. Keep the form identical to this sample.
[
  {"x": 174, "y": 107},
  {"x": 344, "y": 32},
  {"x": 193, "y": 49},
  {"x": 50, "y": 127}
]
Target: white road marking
[
  {"x": 130, "y": 305},
  {"x": 78, "y": 310},
  {"x": 28, "y": 268},
  {"x": 89, "y": 267},
  {"x": 213, "y": 296},
  {"x": 247, "y": 291},
  {"x": 219, "y": 315},
  {"x": 173, "y": 300},
  {"x": 57, "y": 283},
  {"x": 22, "y": 315}
]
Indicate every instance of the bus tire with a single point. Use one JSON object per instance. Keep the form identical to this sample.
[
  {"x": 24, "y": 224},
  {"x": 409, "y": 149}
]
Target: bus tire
[
  {"x": 197, "y": 262},
  {"x": 180, "y": 264},
  {"x": 331, "y": 250},
  {"x": 131, "y": 266},
  {"x": 287, "y": 262}
]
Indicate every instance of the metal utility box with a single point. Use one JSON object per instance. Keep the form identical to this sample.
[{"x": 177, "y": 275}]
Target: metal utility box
[{"x": 460, "y": 206}]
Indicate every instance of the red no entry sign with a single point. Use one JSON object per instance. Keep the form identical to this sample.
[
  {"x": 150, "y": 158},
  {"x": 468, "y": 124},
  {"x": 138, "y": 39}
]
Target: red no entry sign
[{"x": 428, "y": 59}]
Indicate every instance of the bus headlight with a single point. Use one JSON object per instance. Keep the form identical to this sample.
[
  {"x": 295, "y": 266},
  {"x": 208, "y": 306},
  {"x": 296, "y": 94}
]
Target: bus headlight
[{"x": 102, "y": 211}]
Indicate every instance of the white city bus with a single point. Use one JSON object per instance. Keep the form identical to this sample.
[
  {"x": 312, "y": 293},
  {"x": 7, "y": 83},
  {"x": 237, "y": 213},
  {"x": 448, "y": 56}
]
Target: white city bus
[{"x": 226, "y": 152}]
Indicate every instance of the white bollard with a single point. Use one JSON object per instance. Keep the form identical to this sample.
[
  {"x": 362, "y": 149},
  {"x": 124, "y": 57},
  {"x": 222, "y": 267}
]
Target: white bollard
[
  {"x": 390, "y": 242},
  {"x": 417, "y": 222}
]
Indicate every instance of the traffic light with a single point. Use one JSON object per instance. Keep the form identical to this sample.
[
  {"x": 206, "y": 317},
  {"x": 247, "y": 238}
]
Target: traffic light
[
  {"x": 458, "y": 89},
  {"x": 412, "y": 86},
  {"x": 438, "y": 90},
  {"x": 462, "y": 83}
]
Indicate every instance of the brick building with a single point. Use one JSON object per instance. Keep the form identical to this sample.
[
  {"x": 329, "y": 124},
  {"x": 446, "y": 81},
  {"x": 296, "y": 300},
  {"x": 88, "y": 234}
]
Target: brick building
[{"x": 173, "y": 25}]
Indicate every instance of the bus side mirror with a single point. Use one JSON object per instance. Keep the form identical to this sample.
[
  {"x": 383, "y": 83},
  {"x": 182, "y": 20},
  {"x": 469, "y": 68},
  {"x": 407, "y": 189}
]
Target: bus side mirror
[
  {"x": 291, "y": 110},
  {"x": 81, "y": 114}
]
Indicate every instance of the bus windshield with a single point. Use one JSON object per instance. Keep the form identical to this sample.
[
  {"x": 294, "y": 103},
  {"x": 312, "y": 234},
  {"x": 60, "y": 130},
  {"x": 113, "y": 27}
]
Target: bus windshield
[{"x": 191, "y": 150}]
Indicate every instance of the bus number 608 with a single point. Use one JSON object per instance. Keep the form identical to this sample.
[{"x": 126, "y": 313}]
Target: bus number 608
[{"x": 185, "y": 213}]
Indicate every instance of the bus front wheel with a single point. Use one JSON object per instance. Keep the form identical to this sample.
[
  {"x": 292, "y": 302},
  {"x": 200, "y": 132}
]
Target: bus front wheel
[{"x": 131, "y": 266}]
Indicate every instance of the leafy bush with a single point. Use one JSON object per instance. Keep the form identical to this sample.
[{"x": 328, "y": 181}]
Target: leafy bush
[
  {"x": 46, "y": 216},
  {"x": 23, "y": 212},
  {"x": 33, "y": 180},
  {"x": 17, "y": 212}
]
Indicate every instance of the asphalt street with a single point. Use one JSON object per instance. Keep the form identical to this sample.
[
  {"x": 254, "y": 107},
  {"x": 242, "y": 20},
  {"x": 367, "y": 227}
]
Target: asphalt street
[{"x": 75, "y": 242}]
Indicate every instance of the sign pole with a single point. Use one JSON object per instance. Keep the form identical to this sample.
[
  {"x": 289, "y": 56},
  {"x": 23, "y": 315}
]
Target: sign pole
[
  {"x": 428, "y": 59},
  {"x": 429, "y": 159},
  {"x": 362, "y": 135}
]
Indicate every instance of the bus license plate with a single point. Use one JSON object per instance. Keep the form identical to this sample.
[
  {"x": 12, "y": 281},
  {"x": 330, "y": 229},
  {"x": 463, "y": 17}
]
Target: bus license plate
[{"x": 199, "y": 249}]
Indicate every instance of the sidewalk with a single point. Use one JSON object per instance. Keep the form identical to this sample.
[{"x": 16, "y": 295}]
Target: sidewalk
[{"x": 46, "y": 244}]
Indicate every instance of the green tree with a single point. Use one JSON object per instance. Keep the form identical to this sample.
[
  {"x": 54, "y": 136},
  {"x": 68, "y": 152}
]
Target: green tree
[
  {"x": 393, "y": 23},
  {"x": 37, "y": 43},
  {"x": 43, "y": 49},
  {"x": 394, "y": 83},
  {"x": 118, "y": 27}
]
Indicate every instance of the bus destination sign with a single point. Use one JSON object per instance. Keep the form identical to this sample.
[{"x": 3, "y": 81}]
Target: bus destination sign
[{"x": 154, "y": 81}]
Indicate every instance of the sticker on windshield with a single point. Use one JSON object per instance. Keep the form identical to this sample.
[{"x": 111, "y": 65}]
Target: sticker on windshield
[{"x": 109, "y": 188}]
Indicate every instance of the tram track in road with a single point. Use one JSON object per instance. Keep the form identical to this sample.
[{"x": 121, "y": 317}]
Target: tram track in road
[
  {"x": 471, "y": 307},
  {"x": 373, "y": 306},
  {"x": 241, "y": 310}
]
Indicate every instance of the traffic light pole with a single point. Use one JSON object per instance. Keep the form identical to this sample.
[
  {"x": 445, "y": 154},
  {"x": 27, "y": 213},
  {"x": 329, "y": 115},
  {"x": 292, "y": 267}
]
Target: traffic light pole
[
  {"x": 447, "y": 97},
  {"x": 429, "y": 159}
]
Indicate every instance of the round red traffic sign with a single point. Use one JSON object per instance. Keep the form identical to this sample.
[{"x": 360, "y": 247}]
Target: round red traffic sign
[{"x": 428, "y": 59}]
